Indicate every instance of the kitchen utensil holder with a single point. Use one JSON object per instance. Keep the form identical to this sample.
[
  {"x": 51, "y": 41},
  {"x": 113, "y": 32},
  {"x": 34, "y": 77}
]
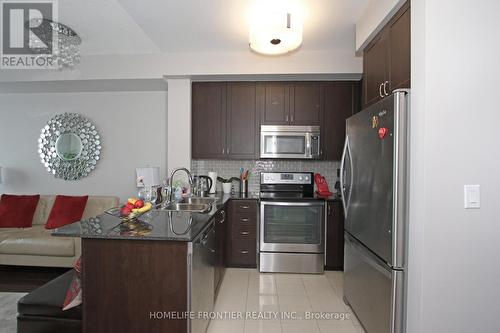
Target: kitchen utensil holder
[{"x": 244, "y": 186}]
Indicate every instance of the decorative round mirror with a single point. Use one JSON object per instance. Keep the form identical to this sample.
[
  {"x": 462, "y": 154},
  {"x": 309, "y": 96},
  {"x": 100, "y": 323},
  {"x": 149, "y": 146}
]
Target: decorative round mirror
[{"x": 69, "y": 146}]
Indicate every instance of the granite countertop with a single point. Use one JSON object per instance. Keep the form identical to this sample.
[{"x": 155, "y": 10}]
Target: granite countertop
[
  {"x": 153, "y": 225},
  {"x": 333, "y": 197}
]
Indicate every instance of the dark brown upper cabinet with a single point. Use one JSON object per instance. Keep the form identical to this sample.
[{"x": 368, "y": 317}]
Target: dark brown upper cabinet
[
  {"x": 242, "y": 131},
  {"x": 341, "y": 102},
  {"x": 386, "y": 60},
  {"x": 274, "y": 100},
  {"x": 305, "y": 103},
  {"x": 290, "y": 103},
  {"x": 400, "y": 57},
  {"x": 226, "y": 116},
  {"x": 224, "y": 120},
  {"x": 208, "y": 120}
]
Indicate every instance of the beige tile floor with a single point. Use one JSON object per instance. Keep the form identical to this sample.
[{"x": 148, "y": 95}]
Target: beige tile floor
[{"x": 247, "y": 291}]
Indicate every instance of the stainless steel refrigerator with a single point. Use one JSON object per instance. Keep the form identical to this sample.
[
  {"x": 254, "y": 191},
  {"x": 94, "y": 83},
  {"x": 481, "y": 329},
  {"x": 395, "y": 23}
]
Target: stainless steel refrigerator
[{"x": 374, "y": 193}]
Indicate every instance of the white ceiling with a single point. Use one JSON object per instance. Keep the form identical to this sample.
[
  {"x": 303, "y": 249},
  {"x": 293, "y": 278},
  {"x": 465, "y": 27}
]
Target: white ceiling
[{"x": 131, "y": 27}]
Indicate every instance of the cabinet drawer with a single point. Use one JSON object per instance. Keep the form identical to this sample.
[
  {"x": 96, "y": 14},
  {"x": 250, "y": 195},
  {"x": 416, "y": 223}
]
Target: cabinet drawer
[
  {"x": 244, "y": 253},
  {"x": 244, "y": 219},
  {"x": 245, "y": 232},
  {"x": 245, "y": 206}
]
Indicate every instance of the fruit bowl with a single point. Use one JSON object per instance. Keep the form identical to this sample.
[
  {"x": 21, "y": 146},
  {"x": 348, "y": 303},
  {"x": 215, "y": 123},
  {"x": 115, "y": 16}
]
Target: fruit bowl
[{"x": 131, "y": 210}]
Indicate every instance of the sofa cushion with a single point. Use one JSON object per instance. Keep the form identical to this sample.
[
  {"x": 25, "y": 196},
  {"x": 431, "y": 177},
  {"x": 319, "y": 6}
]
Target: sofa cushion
[
  {"x": 96, "y": 205},
  {"x": 16, "y": 211},
  {"x": 47, "y": 300},
  {"x": 37, "y": 241},
  {"x": 66, "y": 210},
  {"x": 43, "y": 209}
]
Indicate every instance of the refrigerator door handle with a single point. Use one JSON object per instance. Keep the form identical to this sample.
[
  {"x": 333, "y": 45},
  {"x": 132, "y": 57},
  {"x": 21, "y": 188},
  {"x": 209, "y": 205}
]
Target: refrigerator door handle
[
  {"x": 397, "y": 302},
  {"x": 345, "y": 198}
]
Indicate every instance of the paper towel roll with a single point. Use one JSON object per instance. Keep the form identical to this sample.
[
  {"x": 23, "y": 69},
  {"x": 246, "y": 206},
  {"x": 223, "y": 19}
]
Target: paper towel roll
[{"x": 213, "y": 177}]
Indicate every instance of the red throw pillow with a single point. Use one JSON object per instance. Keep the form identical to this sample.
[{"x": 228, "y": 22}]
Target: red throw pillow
[
  {"x": 66, "y": 210},
  {"x": 74, "y": 294},
  {"x": 16, "y": 211}
]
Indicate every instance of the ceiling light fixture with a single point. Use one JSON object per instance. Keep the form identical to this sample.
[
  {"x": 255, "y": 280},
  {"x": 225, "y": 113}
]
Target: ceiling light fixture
[
  {"x": 276, "y": 27},
  {"x": 63, "y": 41}
]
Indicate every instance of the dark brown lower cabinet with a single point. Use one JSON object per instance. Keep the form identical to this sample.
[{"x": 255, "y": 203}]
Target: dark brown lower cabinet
[
  {"x": 242, "y": 233},
  {"x": 334, "y": 236},
  {"x": 125, "y": 282},
  {"x": 220, "y": 249}
]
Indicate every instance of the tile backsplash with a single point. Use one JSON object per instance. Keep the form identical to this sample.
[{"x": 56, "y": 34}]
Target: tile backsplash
[{"x": 228, "y": 169}]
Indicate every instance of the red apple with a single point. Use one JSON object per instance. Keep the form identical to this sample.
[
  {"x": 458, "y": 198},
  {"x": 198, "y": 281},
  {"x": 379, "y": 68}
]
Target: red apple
[
  {"x": 139, "y": 204},
  {"x": 125, "y": 211},
  {"x": 129, "y": 205}
]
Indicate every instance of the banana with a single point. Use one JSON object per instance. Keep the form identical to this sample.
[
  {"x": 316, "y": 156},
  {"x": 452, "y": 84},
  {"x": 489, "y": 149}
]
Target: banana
[
  {"x": 132, "y": 200},
  {"x": 147, "y": 206}
]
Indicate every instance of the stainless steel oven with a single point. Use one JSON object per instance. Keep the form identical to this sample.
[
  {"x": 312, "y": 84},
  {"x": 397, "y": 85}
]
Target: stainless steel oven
[
  {"x": 290, "y": 142},
  {"x": 292, "y": 224}
]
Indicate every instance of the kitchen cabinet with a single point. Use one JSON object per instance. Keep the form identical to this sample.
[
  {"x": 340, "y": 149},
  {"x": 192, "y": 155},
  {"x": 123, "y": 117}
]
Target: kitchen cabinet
[
  {"x": 290, "y": 103},
  {"x": 226, "y": 116},
  {"x": 340, "y": 102},
  {"x": 220, "y": 249},
  {"x": 242, "y": 130},
  {"x": 274, "y": 103},
  {"x": 224, "y": 120},
  {"x": 305, "y": 103},
  {"x": 208, "y": 120},
  {"x": 242, "y": 233},
  {"x": 334, "y": 250},
  {"x": 386, "y": 60}
]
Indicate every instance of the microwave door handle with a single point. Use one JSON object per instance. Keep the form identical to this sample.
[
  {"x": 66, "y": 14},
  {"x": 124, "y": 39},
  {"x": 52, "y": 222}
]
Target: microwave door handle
[{"x": 308, "y": 146}]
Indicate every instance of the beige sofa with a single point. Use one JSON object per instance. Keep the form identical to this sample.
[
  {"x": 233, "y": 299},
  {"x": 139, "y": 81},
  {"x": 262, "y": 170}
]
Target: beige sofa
[{"x": 36, "y": 247}]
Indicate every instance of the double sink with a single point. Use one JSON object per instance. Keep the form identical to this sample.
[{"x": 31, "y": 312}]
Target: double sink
[{"x": 190, "y": 204}]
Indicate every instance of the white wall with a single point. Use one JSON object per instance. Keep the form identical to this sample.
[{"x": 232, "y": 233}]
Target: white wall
[
  {"x": 376, "y": 14},
  {"x": 179, "y": 124},
  {"x": 454, "y": 253},
  {"x": 132, "y": 126}
]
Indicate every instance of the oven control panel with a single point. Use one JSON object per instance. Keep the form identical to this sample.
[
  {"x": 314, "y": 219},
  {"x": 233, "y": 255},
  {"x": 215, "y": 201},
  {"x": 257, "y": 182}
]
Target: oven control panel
[{"x": 286, "y": 178}]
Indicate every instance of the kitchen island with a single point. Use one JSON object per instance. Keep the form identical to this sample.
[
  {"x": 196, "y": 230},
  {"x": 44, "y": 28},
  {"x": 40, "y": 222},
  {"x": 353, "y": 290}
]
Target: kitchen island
[{"x": 154, "y": 275}]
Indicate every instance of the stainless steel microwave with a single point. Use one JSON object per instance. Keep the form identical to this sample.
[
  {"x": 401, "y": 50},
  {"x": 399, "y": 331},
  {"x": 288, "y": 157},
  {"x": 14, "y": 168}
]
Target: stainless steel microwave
[{"x": 290, "y": 142}]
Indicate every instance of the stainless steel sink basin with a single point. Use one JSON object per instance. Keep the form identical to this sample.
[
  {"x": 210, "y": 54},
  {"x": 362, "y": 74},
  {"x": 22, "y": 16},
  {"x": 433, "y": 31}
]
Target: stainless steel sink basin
[
  {"x": 198, "y": 201},
  {"x": 186, "y": 207},
  {"x": 198, "y": 205}
]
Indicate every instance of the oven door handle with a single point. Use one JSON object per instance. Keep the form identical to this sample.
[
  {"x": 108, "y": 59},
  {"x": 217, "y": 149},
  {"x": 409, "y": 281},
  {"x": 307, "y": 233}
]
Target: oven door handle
[{"x": 293, "y": 203}]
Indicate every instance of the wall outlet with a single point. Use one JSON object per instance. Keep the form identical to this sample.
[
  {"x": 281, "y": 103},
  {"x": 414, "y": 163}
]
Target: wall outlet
[{"x": 472, "y": 196}]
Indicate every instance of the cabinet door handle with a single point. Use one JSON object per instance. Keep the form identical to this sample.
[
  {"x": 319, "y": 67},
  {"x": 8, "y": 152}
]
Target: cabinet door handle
[
  {"x": 286, "y": 118},
  {"x": 291, "y": 118},
  {"x": 380, "y": 90},
  {"x": 245, "y": 219},
  {"x": 227, "y": 152},
  {"x": 244, "y": 207},
  {"x": 223, "y": 151},
  {"x": 244, "y": 251},
  {"x": 329, "y": 209},
  {"x": 385, "y": 91},
  {"x": 244, "y": 233},
  {"x": 223, "y": 213}
]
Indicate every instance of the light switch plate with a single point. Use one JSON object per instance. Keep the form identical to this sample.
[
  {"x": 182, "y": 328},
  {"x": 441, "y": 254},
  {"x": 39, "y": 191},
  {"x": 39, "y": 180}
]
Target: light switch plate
[{"x": 472, "y": 196}]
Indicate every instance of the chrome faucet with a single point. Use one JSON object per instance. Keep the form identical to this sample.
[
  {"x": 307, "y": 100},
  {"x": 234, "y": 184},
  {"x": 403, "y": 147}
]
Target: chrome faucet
[{"x": 190, "y": 178}]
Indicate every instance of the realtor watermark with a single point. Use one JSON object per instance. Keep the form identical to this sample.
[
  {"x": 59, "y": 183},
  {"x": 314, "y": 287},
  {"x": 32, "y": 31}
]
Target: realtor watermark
[
  {"x": 25, "y": 41},
  {"x": 248, "y": 315}
]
